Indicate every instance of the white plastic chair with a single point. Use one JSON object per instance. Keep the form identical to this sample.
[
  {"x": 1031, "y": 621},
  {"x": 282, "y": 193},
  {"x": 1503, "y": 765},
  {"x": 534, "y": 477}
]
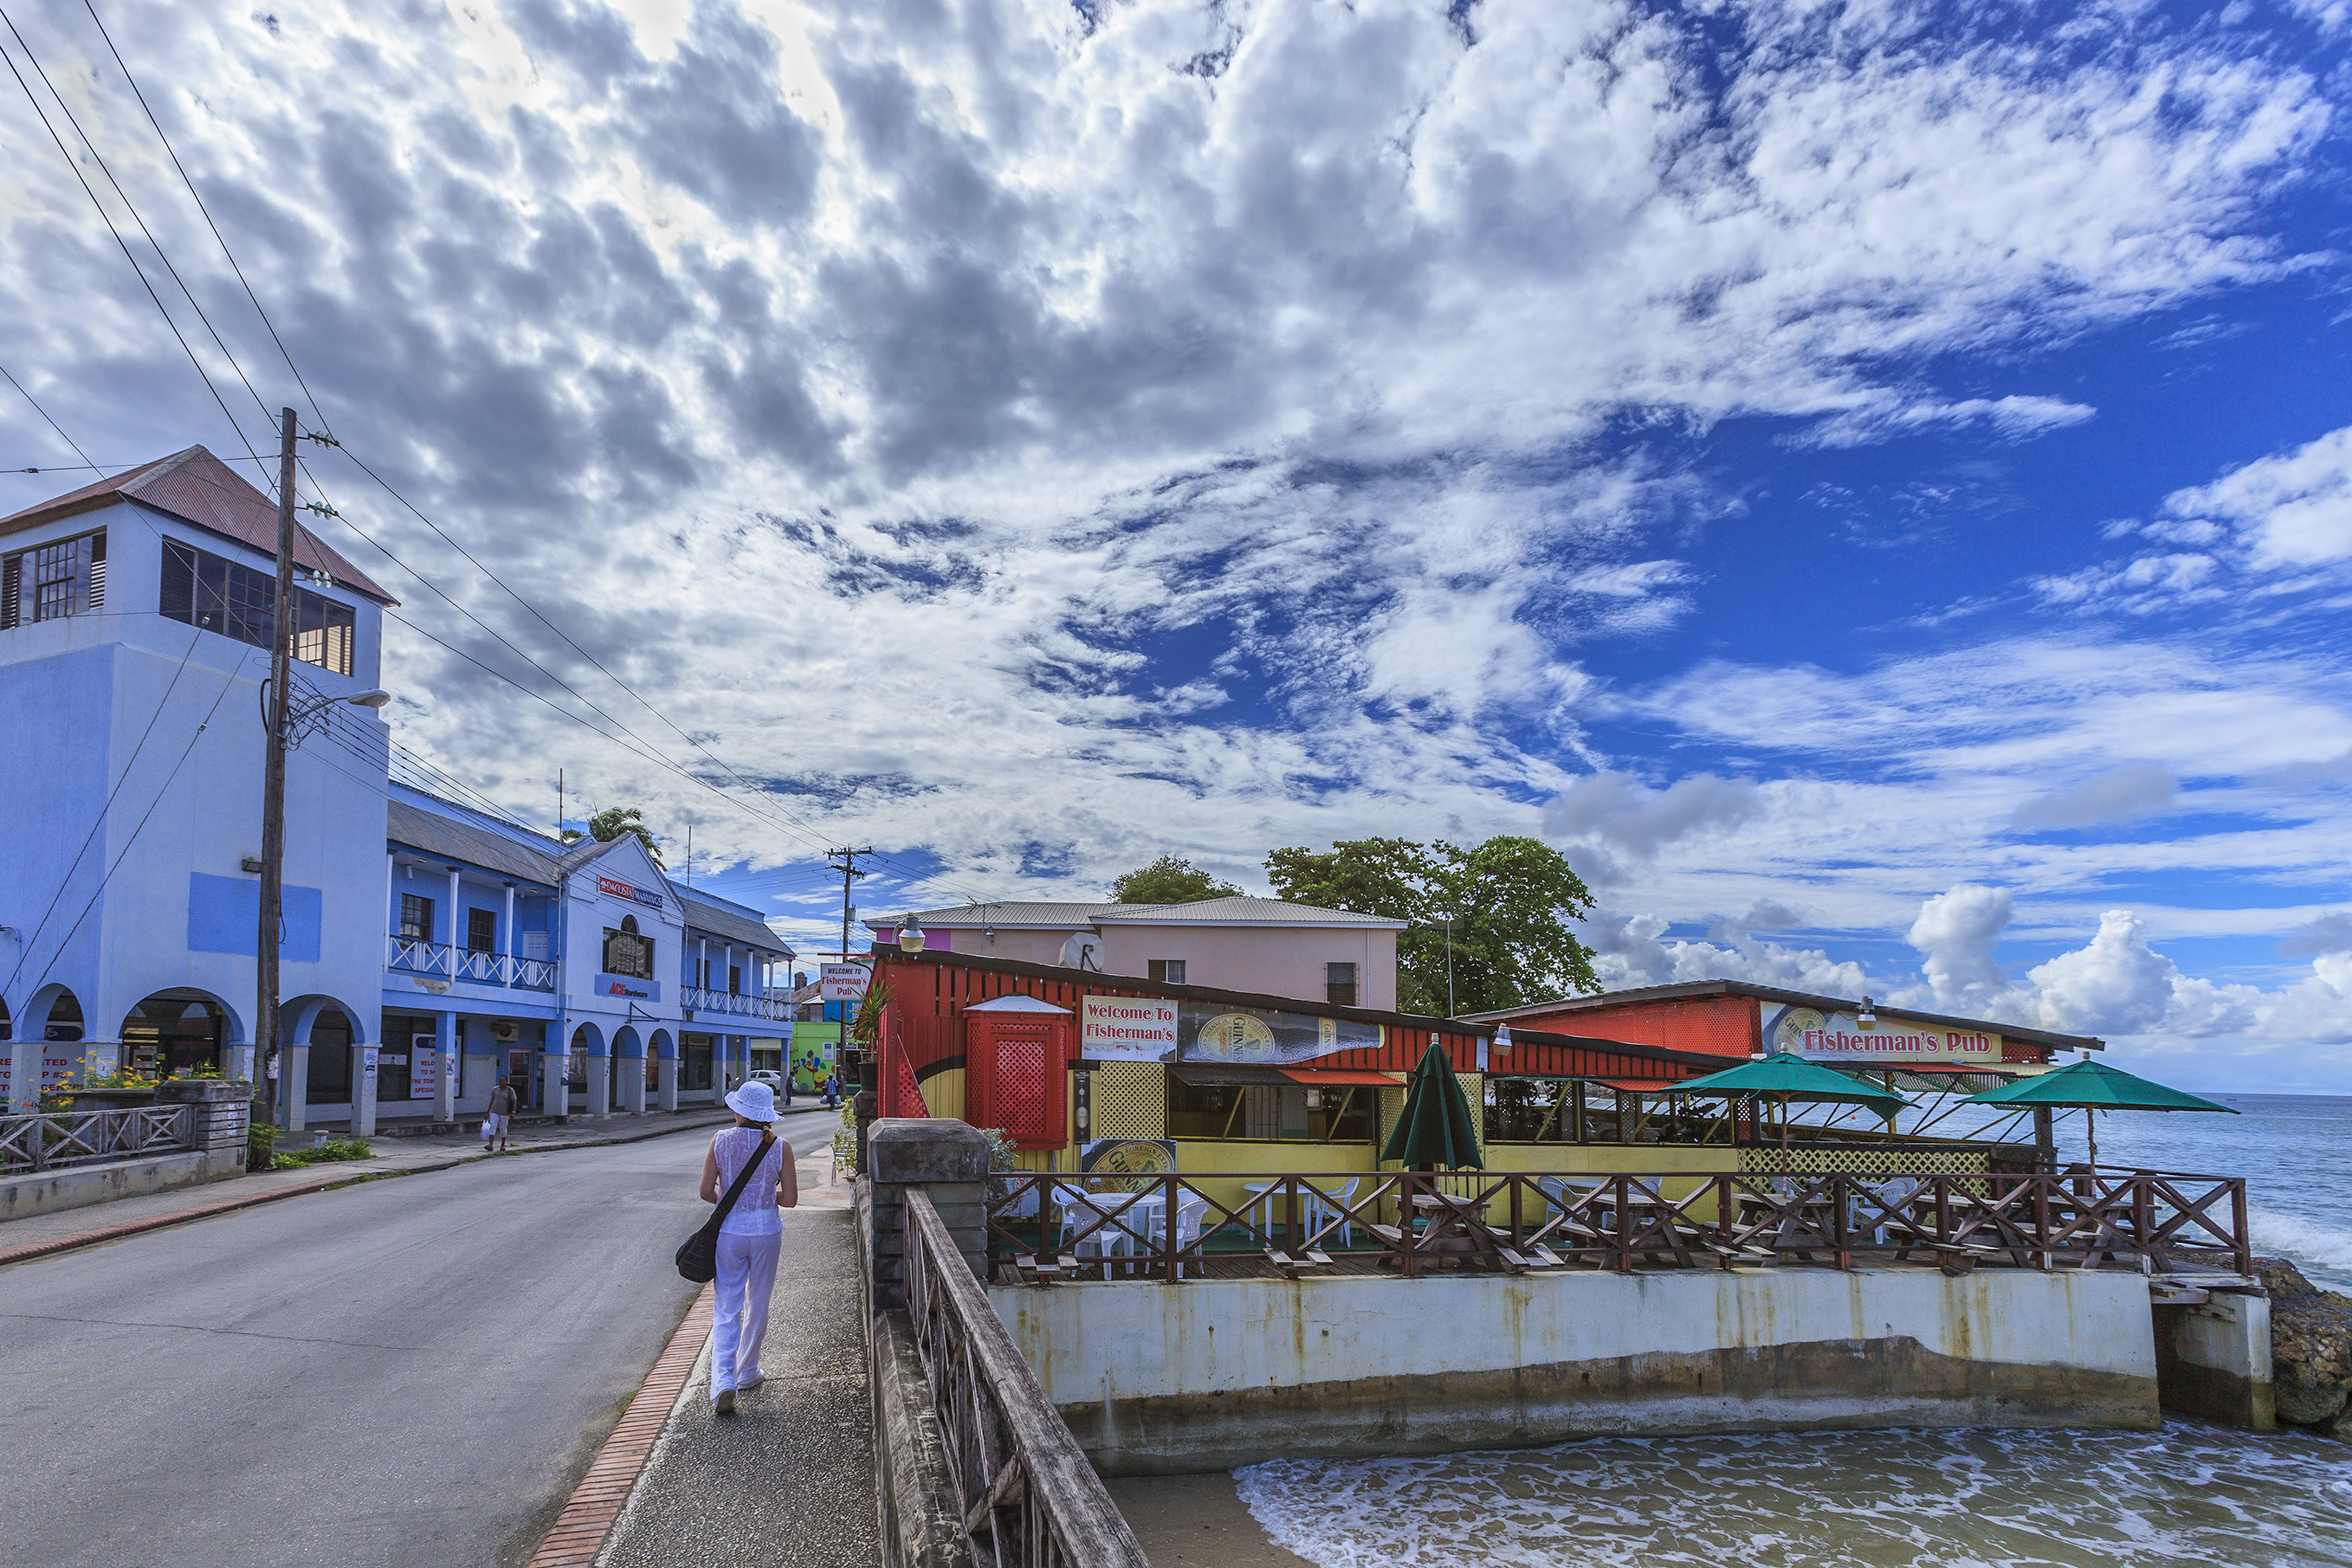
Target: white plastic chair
[
  {"x": 1190, "y": 1209},
  {"x": 1895, "y": 1194},
  {"x": 1323, "y": 1207},
  {"x": 1111, "y": 1239}
]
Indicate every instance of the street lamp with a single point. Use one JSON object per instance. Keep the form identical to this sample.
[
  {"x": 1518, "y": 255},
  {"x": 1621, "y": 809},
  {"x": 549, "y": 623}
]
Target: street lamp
[{"x": 910, "y": 936}]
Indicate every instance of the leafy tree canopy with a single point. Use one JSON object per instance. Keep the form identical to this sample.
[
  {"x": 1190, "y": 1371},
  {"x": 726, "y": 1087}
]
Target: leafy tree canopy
[
  {"x": 1170, "y": 879},
  {"x": 606, "y": 826},
  {"x": 1508, "y": 902}
]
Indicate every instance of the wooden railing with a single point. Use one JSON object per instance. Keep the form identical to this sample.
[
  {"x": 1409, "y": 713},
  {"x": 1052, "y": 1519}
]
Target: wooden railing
[
  {"x": 1048, "y": 1227},
  {"x": 1026, "y": 1494},
  {"x": 41, "y": 1143}
]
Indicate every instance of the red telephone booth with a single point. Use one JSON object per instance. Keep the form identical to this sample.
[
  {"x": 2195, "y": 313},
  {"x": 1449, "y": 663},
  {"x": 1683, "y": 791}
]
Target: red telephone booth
[{"x": 1017, "y": 1056}]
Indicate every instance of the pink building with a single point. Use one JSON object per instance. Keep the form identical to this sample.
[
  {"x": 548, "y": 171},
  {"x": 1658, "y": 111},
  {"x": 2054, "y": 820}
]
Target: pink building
[{"x": 1260, "y": 945}]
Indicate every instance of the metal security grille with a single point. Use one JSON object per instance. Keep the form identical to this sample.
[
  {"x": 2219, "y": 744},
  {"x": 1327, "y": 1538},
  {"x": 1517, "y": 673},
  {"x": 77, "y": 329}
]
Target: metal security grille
[{"x": 1131, "y": 1100}]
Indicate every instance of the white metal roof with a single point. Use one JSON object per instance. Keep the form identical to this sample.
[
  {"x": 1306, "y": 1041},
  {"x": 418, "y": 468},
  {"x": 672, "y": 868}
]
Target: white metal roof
[{"x": 1235, "y": 911}]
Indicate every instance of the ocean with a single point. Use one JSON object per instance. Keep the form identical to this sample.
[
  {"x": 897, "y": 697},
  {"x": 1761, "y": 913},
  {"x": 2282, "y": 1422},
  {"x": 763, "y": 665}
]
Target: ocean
[{"x": 2188, "y": 1494}]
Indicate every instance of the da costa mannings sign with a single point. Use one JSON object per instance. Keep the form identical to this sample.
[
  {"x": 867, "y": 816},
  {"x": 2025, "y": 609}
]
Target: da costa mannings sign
[{"x": 1819, "y": 1036}]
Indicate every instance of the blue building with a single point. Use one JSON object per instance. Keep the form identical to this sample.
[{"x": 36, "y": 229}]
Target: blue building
[{"x": 427, "y": 949}]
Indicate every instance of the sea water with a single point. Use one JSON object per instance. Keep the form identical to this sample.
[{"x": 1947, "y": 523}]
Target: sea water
[{"x": 2187, "y": 1494}]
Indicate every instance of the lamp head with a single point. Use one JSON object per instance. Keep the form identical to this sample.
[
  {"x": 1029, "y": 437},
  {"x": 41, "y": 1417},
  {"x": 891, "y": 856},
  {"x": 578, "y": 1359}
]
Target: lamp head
[
  {"x": 910, "y": 936},
  {"x": 369, "y": 699},
  {"x": 1865, "y": 1017}
]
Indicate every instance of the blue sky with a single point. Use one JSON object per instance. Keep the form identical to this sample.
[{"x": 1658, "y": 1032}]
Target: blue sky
[{"x": 1870, "y": 482}]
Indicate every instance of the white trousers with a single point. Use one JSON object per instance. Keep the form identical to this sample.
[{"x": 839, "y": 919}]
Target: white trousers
[{"x": 747, "y": 1274}]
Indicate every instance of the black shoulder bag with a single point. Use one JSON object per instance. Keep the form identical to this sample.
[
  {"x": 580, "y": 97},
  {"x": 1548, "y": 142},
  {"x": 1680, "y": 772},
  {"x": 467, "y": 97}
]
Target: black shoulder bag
[{"x": 697, "y": 1255}]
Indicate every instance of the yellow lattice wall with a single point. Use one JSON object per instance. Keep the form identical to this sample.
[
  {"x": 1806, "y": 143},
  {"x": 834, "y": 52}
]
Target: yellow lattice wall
[{"x": 1130, "y": 1101}]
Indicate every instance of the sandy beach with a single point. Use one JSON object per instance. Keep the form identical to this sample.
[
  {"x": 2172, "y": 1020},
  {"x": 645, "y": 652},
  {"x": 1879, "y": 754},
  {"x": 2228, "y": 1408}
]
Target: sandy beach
[{"x": 1184, "y": 1520}]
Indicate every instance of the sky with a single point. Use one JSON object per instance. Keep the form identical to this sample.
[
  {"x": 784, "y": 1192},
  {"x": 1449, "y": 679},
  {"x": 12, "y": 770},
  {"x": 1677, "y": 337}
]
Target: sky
[{"x": 1871, "y": 484}]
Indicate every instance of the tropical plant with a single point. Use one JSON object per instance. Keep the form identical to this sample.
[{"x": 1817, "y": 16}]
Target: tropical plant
[
  {"x": 606, "y": 826},
  {"x": 1170, "y": 879}
]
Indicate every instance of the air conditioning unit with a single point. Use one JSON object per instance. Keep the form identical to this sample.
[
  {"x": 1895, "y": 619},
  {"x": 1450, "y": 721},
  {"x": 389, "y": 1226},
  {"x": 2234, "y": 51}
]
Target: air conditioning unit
[{"x": 504, "y": 1030}]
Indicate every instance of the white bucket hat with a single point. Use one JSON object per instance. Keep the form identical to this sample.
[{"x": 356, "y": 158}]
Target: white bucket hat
[{"x": 754, "y": 1101}]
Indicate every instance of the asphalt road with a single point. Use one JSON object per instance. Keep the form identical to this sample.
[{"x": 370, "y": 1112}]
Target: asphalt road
[{"x": 409, "y": 1373}]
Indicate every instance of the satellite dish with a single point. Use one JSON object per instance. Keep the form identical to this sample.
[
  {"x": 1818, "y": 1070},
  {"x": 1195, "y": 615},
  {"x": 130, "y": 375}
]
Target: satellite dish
[{"x": 1083, "y": 951}]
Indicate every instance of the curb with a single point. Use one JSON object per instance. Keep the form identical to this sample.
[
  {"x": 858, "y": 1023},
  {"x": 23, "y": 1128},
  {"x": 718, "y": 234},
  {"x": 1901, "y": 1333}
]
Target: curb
[
  {"x": 81, "y": 1238},
  {"x": 580, "y": 1530}
]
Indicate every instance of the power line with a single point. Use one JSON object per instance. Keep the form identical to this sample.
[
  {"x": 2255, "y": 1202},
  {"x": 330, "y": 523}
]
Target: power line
[
  {"x": 775, "y": 819},
  {"x": 130, "y": 762},
  {"x": 52, "y": 424},
  {"x": 108, "y": 218}
]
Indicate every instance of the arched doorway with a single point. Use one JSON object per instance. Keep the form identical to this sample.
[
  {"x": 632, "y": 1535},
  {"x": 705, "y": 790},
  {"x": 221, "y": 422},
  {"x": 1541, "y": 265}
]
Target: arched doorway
[
  {"x": 6, "y": 1032},
  {"x": 65, "y": 1020},
  {"x": 328, "y": 1081},
  {"x": 175, "y": 1033}
]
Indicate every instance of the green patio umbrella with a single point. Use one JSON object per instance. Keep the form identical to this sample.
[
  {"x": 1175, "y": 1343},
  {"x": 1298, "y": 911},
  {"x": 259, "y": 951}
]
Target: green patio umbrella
[
  {"x": 1436, "y": 1128},
  {"x": 1791, "y": 1079},
  {"x": 2096, "y": 1087}
]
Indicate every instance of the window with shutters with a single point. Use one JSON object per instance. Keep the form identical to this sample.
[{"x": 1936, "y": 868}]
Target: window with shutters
[
  {"x": 1339, "y": 984},
  {"x": 1164, "y": 971},
  {"x": 52, "y": 581}
]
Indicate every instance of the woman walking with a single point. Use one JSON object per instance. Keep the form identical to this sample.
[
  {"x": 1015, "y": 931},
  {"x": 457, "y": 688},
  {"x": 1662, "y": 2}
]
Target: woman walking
[{"x": 748, "y": 1239}]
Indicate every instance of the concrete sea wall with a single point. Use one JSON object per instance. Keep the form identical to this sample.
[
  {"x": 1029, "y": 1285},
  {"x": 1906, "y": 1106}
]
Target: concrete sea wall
[
  {"x": 1210, "y": 1374},
  {"x": 76, "y": 1187}
]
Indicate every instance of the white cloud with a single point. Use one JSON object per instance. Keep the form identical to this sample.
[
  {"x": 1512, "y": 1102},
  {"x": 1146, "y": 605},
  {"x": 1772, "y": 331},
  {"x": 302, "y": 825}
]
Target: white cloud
[
  {"x": 1616, "y": 811},
  {"x": 2292, "y": 509},
  {"x": 1628, "y": 952},
  {"x": 2119, "y": 794}
]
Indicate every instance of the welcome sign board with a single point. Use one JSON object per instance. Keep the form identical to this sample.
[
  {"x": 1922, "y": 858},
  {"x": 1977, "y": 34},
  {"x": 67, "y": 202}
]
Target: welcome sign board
[
  {"x": 1819, "y": 1036},
  {"x": 1127, "y": 1028}
]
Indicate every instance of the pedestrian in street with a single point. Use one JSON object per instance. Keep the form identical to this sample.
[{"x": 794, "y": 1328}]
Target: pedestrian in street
[
  {"x": 498, "y": 1121},
  {"x": 832, "y": 1099},
  {"x": 748, "y": 1239}
]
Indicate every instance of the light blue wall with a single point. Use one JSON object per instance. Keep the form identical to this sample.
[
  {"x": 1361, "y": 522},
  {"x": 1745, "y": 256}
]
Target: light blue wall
[{"x": 149, "y": 731}]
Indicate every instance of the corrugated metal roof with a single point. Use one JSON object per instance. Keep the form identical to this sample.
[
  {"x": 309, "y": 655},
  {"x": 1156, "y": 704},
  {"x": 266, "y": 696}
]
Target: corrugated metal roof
[
  {"x": 438, "y": 835},
  {"x": 1236, "y": 911},
  {"x": 734, "y": 923},
  {"x": 1245, "y": 911},
  {"x": 1692, "y": 988},
  {"x": 198, "y": 487}
]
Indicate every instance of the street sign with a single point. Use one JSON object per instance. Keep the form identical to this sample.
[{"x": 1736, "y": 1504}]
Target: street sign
[{"x": 842, "y": 982}]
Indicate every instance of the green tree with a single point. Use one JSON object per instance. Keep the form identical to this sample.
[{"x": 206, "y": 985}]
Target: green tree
[
  {"x": 1170, "y": 879},
  {"x": 1500, "y": 910},
  {"x": 606, "y": 826}
]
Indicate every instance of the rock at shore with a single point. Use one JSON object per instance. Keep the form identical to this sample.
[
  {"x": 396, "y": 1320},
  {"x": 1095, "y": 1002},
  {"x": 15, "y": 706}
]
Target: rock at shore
[{"x": 2311, "y": 1348}]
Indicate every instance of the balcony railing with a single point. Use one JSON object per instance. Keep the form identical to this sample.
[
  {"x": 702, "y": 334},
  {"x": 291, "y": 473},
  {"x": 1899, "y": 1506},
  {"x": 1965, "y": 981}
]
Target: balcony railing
[
  {"x": 407, "y": 956},
  {"x": 41, "y": 1143},
  {"x": 702, "y": 1000}
]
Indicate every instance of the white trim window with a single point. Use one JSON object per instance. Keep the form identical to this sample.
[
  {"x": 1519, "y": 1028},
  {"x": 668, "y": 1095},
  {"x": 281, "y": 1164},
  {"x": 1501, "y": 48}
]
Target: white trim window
[{"x": 52, "y": 581}]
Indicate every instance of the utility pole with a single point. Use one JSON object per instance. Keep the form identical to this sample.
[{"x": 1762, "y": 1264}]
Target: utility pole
[
  {"x": 273, "y": 776},
  {"x": 849, "y": 874}
]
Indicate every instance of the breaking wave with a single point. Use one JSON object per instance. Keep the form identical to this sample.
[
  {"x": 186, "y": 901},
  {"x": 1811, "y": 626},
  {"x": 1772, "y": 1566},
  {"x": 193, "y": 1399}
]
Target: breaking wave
[
  {"x": 2321, "y": 1249},
  {"x": 2187, "y": 1495}
]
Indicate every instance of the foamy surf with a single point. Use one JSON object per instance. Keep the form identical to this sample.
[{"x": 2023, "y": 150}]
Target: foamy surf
[
  {"x": 2188, "y": 1494},
  {"x": 2321, "y": 1249}
]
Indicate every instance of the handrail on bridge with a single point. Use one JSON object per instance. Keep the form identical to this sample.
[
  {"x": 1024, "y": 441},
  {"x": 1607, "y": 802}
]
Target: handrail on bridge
[{"x": 1020, "y": 1480}]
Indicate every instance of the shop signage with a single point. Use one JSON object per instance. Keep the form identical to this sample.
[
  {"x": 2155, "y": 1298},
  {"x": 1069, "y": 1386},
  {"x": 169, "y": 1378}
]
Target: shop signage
[
  {"x": 628, "y": 986},
  {"x": 842, "y": 982},
  {"x": 616, "y": 888},
  {"x": 1127, "y": 1028},
  {"x": 424, "y": 1067},
  {"x": 1212, "y": 1033},
  {"x": 1819, "y": 1036}
]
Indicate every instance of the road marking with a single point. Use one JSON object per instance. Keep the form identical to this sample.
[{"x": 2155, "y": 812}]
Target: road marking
[{"x": 580, "y": 1530}]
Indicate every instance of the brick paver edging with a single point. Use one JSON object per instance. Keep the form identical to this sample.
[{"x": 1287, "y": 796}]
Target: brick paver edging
[
  {"x": 324, "y": 1184},
  {"x": 596, "y": 1502}
]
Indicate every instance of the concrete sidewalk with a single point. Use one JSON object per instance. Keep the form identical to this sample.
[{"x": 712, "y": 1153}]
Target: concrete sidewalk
[
  {"x": 788, "y": 1480},
  {"x": 40, "y": 1234}
]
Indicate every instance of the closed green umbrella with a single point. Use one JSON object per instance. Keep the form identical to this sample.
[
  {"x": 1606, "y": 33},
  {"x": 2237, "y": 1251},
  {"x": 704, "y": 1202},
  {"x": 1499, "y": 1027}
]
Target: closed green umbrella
[
  {"x": 1437, "y": 1128},
  {"x": 2096, "y": 1087},
  {"x": 1790, "y": 1078}
]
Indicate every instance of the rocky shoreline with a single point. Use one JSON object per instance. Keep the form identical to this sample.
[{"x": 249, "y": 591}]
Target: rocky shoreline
[{"x": 2311, "y": 1349}]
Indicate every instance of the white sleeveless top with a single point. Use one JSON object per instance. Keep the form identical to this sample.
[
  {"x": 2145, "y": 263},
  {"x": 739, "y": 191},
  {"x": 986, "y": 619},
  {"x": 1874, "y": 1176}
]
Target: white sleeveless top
[{"x": 754, "y": 1213}]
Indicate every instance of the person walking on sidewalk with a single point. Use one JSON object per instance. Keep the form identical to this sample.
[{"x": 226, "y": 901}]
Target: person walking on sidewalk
[
  {"x": 498, "y": 1121},
  {"x": 748, "y": 1239}
]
